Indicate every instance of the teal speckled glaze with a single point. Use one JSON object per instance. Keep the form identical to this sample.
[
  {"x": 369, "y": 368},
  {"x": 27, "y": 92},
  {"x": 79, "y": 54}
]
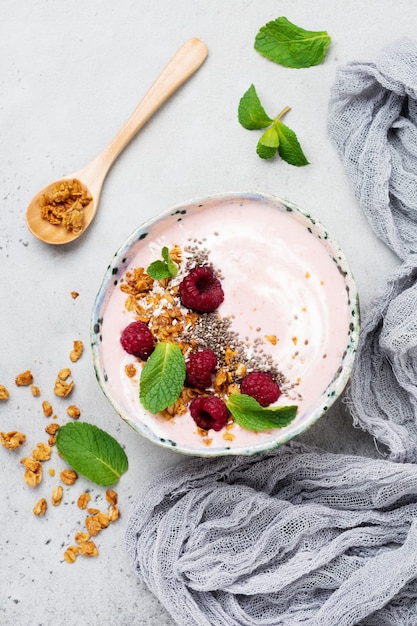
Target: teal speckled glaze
[{"x": 153, "y": 229}]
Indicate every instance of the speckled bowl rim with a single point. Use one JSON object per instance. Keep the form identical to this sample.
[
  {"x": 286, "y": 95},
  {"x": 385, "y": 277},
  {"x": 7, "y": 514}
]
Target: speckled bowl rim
[{"x": 335, "y": 387}]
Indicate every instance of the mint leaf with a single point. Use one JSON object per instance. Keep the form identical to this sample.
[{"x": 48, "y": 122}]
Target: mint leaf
[
  {"x": 251, "y": 113},
  {"x": 171, "y": 266},
  {"x": 268, "y": 143},
  {"x": 249, "y": 414},
  {"x": 159, "y": 270},
  {"x": 290, "y": 45},
  {"x": 289, "y": 148},
  {"x": 162, "y": 378},
  {"x": 92, "y": 452}
]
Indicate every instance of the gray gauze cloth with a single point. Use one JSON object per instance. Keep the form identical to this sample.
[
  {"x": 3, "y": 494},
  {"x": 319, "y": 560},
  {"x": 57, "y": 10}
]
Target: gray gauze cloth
[
  {"x": 295, "y": 536},
  {"x": 382, "y": 395},
  {"x": 373, "y": 122}
]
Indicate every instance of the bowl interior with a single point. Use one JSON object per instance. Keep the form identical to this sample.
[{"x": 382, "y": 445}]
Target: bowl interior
[{"x": 287, "y": 284}]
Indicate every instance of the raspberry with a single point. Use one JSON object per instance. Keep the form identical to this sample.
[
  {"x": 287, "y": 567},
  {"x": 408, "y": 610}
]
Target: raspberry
[
  {"x": 262, "y": 387},
  {"x": 201, "y": 290},
  {"x": 138, "y": 340},
  {"x": 209, "y": 412},
  {"x": 199, "y": 367}
]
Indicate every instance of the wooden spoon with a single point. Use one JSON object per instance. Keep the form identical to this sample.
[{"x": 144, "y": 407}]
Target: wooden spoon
[{"x": 184, "y": 63}]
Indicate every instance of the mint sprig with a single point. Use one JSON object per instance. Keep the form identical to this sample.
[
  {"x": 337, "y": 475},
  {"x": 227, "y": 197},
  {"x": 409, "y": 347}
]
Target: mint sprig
[
  {"x": 249, "y": 414},
  {"x": 277, "y": 138},
  {"x": 159, "y": 270},
  {"x": 92, "y": 452},
  {"x": 162, "y": 378},
  {"x": 289, "y": 45}
]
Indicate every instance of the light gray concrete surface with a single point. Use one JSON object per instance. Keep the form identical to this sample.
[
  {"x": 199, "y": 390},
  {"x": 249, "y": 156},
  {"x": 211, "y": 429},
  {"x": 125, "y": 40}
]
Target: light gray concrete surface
[{"x": 70, "y": 74}]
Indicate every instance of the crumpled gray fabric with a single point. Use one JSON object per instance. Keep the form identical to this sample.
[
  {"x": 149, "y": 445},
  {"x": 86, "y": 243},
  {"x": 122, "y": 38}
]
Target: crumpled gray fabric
[
  {"x": 295, "y": 536},
  {"x": 382, "y": 395},
  {"x": 372, "y": 120},
  {"x": 373, "y": 123}
]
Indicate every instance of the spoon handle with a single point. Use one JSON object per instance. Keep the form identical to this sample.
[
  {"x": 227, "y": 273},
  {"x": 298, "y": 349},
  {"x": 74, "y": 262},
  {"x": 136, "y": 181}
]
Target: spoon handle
[{"x": 182, "y": 65}]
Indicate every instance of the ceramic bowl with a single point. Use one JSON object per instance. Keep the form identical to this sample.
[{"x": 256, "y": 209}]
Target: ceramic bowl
[{"x": 288, "y": 290}]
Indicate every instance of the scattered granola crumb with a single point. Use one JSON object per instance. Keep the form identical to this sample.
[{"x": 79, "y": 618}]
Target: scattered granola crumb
[
  {"x": 4, "y": 393},
  {"x": 62, "y": 388},
  {"x": 51, "y": 471},
  {"x": 57, "y": 494},
  {"x": 93, "y": 525},
  {"x": 113, "y": 512},
  {"x": 96, "y": 522},
  {"x": 73, "y": 411},
  {"x": 47, "y": 408},
  {"x": 88, "y": 548},
  {"x": 74, "y": 295},
  {"x": 77, "y": 351},
  {"x": 68, "y": 476},
  {"x": 71, "y": 554},
  {"x": 52, "y": 428},
  {"x": 272, "y": 339},
  {"x": 93, "y": 511},
  {"x": 42, "y": 452},
  {"x": 24, "y": 379},
  {"x": 130, "y": 370},
  {"x": 85, "y": 548},
  {"x": 12, "y": 440},
  {"x": 111, "y": 496},
  {"x": 83, "y": 500},
  {"x": 35, "y": 391},
  {"x": 33, "y": 473},
  {"x": 64, "y": 373},
  {"x": 40, "y": 507},
  {"x": 103, "y": 518}
]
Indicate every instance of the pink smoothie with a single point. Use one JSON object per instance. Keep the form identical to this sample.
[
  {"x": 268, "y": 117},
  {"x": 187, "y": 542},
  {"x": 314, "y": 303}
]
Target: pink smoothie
[{"x": 279, "y": 279}]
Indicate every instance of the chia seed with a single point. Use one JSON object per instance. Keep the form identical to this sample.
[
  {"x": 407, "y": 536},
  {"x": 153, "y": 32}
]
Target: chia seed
[{"x": 216, "y": 332}]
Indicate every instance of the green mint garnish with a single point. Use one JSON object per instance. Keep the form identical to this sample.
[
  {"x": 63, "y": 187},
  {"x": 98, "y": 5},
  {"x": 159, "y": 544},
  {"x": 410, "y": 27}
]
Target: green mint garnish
[
  {"x": 251, "y": 113},
  {"x": 159, "y": 270},
  {"x": 277, "y": 138},
  {"x": 162, "y": 378},
  {"x": 291, "y": 46},
  {"x": 92, "y": 452},
  {"x": 268, "y": 143},
  {"x": 249, "y": 414}
]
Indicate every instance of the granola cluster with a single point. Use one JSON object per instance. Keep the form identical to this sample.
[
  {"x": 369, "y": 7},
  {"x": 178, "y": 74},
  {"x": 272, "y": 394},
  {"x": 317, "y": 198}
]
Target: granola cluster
[
  {"x": 64, "y": 205},
  {"x": 12, "y": 440},
  {"x": 157, "y": 303},
  {"x": 33, "y": 464}
]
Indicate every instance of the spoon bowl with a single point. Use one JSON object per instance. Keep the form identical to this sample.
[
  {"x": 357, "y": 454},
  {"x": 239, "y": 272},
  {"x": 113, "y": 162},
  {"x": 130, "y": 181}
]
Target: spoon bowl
[{"x": 182, "y": 65}]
